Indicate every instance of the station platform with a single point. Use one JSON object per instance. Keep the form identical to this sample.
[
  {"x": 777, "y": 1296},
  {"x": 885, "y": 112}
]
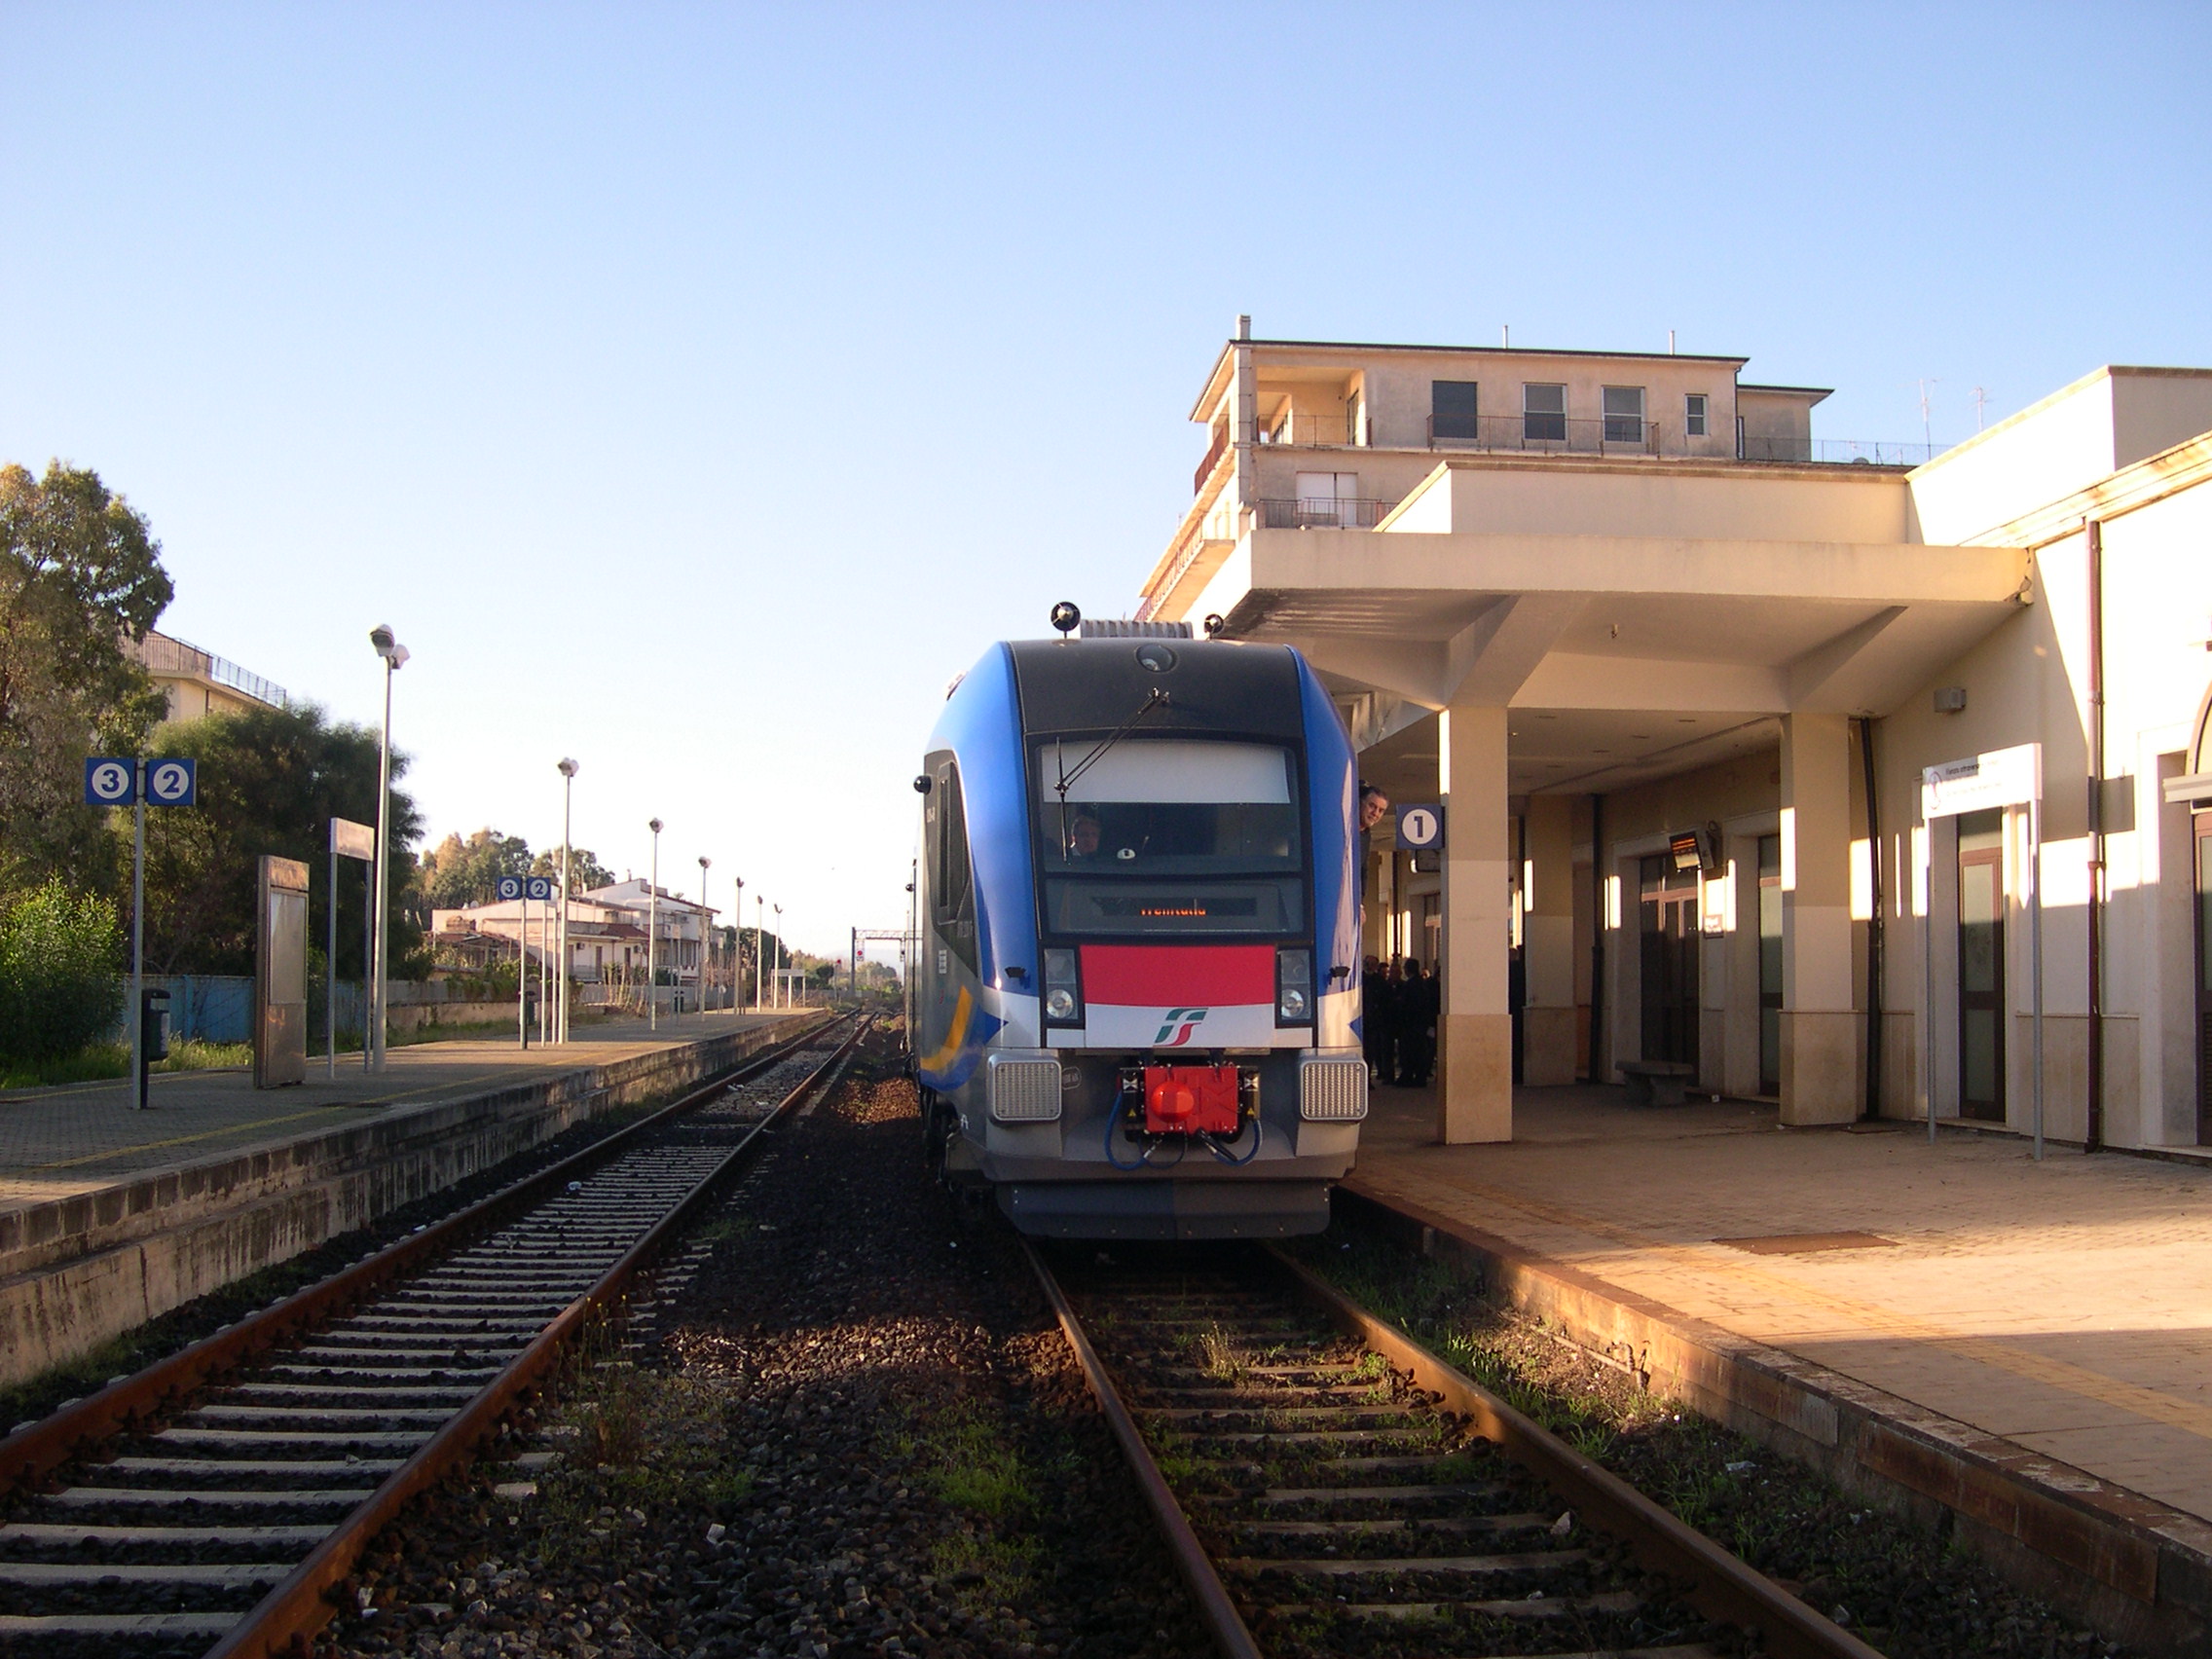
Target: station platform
[
  {"x": 110, "y": 1215},
  {"x": 2027, "y": 1345}
]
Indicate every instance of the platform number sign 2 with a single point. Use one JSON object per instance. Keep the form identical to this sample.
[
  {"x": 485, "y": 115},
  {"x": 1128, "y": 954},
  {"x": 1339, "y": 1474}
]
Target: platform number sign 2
[{"x": 113, "y": 780}]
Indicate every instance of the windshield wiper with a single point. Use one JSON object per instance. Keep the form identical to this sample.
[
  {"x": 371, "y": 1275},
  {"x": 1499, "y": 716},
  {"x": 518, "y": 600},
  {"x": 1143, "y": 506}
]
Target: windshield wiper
[{"x": 1158, "y": 700}]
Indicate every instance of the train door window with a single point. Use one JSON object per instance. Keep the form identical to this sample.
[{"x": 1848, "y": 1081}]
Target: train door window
[
  {"x": 1770, "y": 964},
  {"x": 952, "y": 885},
  {"x": 2203, "y": 822},
  {"x": 1981, "y": 965}
]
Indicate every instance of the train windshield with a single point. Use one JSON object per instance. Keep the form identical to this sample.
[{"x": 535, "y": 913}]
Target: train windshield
[{"x": 1170, "y": 835}]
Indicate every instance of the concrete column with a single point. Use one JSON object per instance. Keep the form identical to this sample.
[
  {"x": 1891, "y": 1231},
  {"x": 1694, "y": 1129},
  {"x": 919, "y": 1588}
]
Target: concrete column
[
  {"x": 1474, "y": 1098},
  {"x": 1819, "y": 1029},
  {"x": 1547, "y": 936}
]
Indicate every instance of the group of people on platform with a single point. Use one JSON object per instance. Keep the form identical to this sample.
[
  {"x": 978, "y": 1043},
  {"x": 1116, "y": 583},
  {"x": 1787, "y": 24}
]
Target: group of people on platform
[{"x": 1401, "y": 1002}]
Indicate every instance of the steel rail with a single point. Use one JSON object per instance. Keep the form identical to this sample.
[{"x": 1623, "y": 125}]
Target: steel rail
[
  {"x": 300, "y": 1606},
  {"x": 36, "y": 1451},
  {"x": 1217, "y": 1610},
  {"x": 1723, "y": 1586}
]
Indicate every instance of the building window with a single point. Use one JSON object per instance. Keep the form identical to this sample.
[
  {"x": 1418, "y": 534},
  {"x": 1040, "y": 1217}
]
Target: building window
[
  {"x": 1693, "y": 415},
  {"x": 1543, "y": 414},
  {"x": 1624, "y": 414},
  {"x": 1452, "y": 410}
]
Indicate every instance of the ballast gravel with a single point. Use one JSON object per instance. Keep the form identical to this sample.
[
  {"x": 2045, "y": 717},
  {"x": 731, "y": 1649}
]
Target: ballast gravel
[{"x": 854, "y": 1430}]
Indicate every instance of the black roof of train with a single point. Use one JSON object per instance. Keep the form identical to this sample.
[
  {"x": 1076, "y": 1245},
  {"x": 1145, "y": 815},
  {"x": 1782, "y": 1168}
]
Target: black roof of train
[{"x": 1214, "y": 686}]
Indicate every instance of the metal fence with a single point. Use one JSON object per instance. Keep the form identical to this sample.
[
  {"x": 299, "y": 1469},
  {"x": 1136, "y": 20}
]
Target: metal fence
[
  {"x": 1315, "y": 512},
  {"x": 1839, "y": 452},
  {"x": 1538, "y": 433}
]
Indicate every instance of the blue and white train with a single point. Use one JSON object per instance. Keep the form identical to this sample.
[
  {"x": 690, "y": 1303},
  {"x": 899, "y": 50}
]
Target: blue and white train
[{"x": 1135, "y": 1012}]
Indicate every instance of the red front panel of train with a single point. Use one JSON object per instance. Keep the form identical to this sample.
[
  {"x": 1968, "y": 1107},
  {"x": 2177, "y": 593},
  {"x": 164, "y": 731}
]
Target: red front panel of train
[{"x": 1186, "y": 1100}]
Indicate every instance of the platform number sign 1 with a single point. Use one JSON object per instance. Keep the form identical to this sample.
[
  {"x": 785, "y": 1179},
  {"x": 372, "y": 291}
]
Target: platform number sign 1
[{"x": 1420, "y": 829}]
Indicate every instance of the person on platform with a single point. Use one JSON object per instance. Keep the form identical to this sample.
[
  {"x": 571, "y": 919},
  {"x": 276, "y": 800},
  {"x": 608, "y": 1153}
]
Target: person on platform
[
  {"x": 1390, "y": 1017},
  {"x": 1420, "y": 1007},
  {"x": 1371, "y": 1013},
  {"x": 1373, "y": 806}
]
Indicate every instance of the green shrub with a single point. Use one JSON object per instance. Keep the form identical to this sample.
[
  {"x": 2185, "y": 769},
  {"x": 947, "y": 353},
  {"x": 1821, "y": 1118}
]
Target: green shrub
[{"x": 58, "y": 986}]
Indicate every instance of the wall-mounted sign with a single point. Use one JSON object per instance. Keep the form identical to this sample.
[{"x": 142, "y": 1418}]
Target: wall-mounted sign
[
  {"x": 1420, "y": 829},
  {"x": 2003, "y": 776}
]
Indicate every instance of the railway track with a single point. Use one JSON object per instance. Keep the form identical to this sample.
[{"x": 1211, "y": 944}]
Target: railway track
[
  {"x": 222, "y": 1495},
  {"x": 1328, "y": 1487}
]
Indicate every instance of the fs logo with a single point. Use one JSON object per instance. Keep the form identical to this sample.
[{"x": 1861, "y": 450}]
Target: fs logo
[{"x": 1176, "y": 1027}]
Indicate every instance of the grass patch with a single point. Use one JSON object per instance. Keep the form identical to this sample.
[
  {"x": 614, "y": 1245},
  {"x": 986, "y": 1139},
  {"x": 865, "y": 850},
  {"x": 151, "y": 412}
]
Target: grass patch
[{"x": 962, "y": 1455}]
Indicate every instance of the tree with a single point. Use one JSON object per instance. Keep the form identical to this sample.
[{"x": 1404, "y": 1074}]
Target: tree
[
  {"x": 80, "y": 575},
  {"x": 270, "y": 782},
  {"x": 59, "y": 984},
  {"x": 468, "y": 872},
  {"x": 585, "y": 871}
]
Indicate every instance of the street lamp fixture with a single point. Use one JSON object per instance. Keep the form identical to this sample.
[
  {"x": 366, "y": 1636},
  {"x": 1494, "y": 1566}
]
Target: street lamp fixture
[
  {"x": 394, "y": 656},
  {"x": 704, "y": 937}
]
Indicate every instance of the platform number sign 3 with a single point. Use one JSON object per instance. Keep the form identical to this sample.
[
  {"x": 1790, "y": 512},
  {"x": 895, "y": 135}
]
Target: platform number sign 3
[
  {"x": 1420, "y": 829},
  {"x": 510, "y": 887},
  {"x": 110, "y": 783}
]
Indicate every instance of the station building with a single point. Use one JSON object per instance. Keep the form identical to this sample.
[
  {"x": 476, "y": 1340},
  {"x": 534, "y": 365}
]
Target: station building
[{"x": 1675, "y": 670}]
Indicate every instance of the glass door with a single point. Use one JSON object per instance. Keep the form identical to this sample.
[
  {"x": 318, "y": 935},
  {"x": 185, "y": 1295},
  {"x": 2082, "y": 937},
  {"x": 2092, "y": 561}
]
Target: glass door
[
  {"x": 1669, "y": 942},
  {"x": 2203, "y": 822},
  {"x": 1770, "y": 964},
  {"x": 1982, "y": 966}
]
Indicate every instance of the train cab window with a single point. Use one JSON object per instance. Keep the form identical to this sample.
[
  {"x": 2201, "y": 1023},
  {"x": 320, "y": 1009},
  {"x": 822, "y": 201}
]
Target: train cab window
[
  {"x": 952, "y": 883},
  {"x": 1172, "y": 835}
]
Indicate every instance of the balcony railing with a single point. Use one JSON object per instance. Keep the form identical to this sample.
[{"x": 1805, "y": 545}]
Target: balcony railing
[
  {"x": 1337, "y": 429},
  {"x": 1546, "y": 434},
  {"x": 1213, "y": 453},
  {"x": 1838, "y": 452},
  {"x": 1315, "y": 512}
]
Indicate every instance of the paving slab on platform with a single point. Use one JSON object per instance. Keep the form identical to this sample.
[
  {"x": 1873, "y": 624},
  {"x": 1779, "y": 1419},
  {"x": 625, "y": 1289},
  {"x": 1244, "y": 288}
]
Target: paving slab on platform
[{"x": 59, "y": 1142}]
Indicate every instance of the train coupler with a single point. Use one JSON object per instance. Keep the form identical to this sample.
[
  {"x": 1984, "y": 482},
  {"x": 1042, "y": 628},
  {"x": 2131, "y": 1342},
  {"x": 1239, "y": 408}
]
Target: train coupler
[{"x": 1192, "y": 1100}]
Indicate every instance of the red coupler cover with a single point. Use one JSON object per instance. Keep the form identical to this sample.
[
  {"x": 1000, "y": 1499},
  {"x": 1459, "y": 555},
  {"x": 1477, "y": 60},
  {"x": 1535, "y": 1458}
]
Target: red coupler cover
[{"x": 1189, "y": 1101}]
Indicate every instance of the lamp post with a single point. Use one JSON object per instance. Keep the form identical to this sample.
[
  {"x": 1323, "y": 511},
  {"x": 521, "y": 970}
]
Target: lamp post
[
  {"x": 783, "y": 986},
  {"x": 394, "y": 656},
  {"x": 653, "y": 935},
  {"x": 759, "y": 952},
  {"x": 704, "y": 937},
  {"x": 568, "y": 771},
  {"x": 736, "y": 940}
]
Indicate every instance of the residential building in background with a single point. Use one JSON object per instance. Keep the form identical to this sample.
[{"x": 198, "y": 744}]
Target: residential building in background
[{"x": 199, "y": 682}]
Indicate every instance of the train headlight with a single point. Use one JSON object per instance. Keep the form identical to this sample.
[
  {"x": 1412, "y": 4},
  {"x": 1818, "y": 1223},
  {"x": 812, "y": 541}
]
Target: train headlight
[
  {"x": 1294, "y": 987},
  {"x": 1063, "y": 989}
]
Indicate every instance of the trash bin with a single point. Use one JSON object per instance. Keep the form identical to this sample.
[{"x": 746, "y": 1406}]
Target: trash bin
[{"x": 154, "y": 1024}]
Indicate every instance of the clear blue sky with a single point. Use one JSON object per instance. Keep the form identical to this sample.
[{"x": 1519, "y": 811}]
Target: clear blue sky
[{"x": 696, "y": 390}]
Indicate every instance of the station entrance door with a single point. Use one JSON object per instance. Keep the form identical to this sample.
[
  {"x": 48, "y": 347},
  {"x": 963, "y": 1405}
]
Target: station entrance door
[
  {"x": 2203, "y": 824},
  {"x": 1668, "y": 939},
  {"x": 1982, "y": 966}
]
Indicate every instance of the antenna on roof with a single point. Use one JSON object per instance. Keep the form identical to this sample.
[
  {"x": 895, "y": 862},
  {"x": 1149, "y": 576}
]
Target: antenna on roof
[
  {"x": 1926, "y": 437},
  {"x": 1980, "y": 399}
]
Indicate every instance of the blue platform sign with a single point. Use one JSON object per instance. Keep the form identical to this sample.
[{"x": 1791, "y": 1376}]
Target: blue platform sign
[
  {"x": 539, "y": 887},
  {"x": 1420, "y": 829},
  {"x": 510, "y": 887},
  {"x": 110, "y": 782},
  {"x": 172, "y": 783}
]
